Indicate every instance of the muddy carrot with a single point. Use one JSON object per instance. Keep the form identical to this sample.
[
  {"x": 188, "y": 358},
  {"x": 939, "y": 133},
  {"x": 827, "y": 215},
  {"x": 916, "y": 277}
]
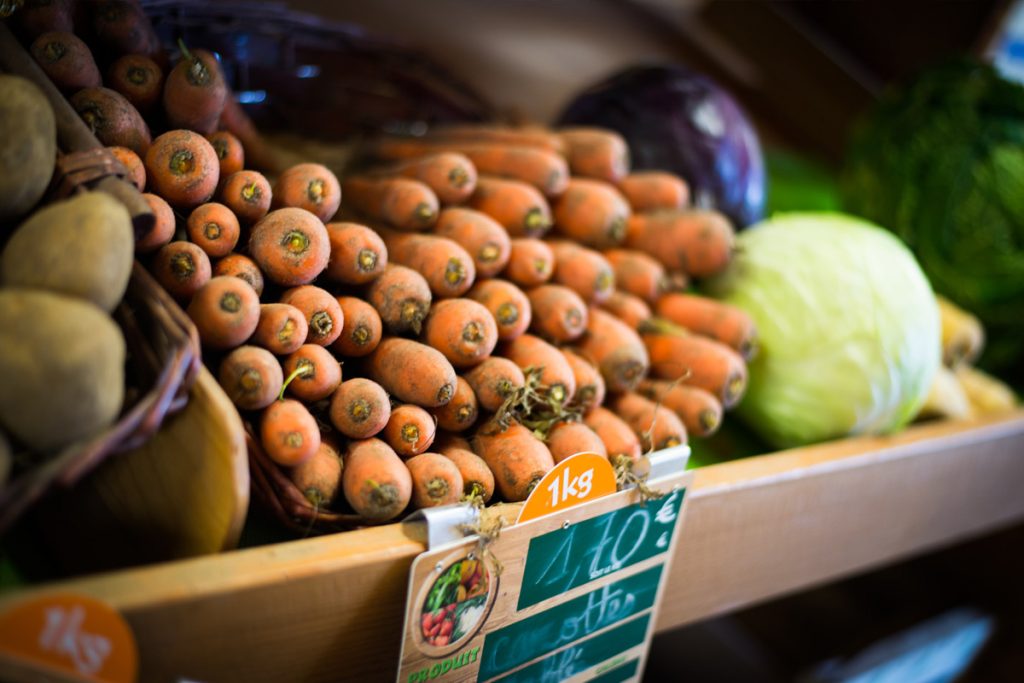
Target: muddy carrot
[
  {"x": 66, "y": 60},
  {"x": 359, "y": 408},
  {"x": 616, "y": 349},
  {"x": 701, "y": 362},
  {"x": 544, "y": 170},
  {"x": 657, "y": 426},
  {"x": 375, "y": 481},
  {"x": 214, "y": 228},
  {"x": 229, "y": 151},
  {"x": 225, "y": 311},
  {"x": 139, "y": 79},
  {"x": 410, "y": 430},
  {"x": 590, "y": 386},
  {"x": 182, "y": 268},
  {"x": 312, "y": 187},
  {"x": 654, "y": 191},
  {"x": 618, "y": 437},
  {"x": 182, "y": 167},
  {"x": 122, "y": 27},
  {"x": 592, "y": 213},
  {"x": 288, "y": 432},
  {"x": 461, "y": 412},
  {"x": 248, "y": 194},
  {"x": 133, "y": 164},
  {"x": 358, "y": 254},
  {"x": 630, "y": 309},
  {"x": 582, "y": 270},
  {"x": 569, "y": 438},
  {"x": 507, "y": 303},
  {"x": 402, "y": 298},
  {"x": 709, "y": 318},
  {"x": 450, "y": 175},
  {"x": 282, "y": 328},
  {"x": 251, "y": 377},
  {"x": 321, "y": 310},
  {"x": 163, "y": 228},
  {"x": 480, "y": 235},
  {"x": 637, "y": 273},
  {"x": 195, "y": 92},
  {"x": 237, "y": 265},
  {"x": 362, "y": 328},
  {"x": 528, "y": 351},
  {"x": 559, "y": 314},
  {"x": 517, "y": 458},
  {"x": 462, "y": 329},
  {"x": 290, "y": 246},
  {"x": 700, "y": 412},
  {"x": 319, "y": 477},
  {"x": 519, "y": 207},
  {"x": 447, "y": 267},
  {"x": 477, "y": 478},
  {"x": 312, "y": 373},
  {"x": 493, "y": 381},
  {"x": 596, "y": 153},
  {"x": 114, "y": 122},
  {"x": 531, "y": 262},
  {"x": 412, "y": 372},
  {"x": 435, "y": 480},
  {"x": 696, "y": 241},
  {"x": 402, "y": 203}
]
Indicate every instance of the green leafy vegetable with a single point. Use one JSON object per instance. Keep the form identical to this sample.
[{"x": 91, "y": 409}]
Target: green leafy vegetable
[{"x": 444, "y": 590}]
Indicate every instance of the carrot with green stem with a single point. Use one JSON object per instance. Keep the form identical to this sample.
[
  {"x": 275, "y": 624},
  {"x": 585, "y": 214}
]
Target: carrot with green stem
[
  {"x": 183, "y": 168},
  {"x": 163, "y": 228},
  {"x": 195, "y": 92},
  {"x": 402, "y": 298},
  {"x": 375, "y": 481},
  {"x": 616, "y": 349},
  {"x": 240, "y": 266},
  {"x": 517, "y": 458},
  {"x": 480, "y": 235},
  {"x": 709, "y": 318},
  {"x": 312, "y": 373},
  {"x": 435, "y": 480},
  {"x": 460, "y": 413},
  {"x": 225, "y": 311},
  {"x": 450, "y": 175},
  {"x": 66, "y": 60},
  {"x": 696, "y": 241},
  {"x": 654, "y": 191},
  {"x": 251, "y": 377},
  {"x": 447, "y": 267},
  {"x": 507, "y": 303},
  {"x": 410, "y": 430},
  {"x": 308, "y": 186},
  {"x": 569, "y": 438},
  {"x": 559, "y": 314},
  {"x": 359, "y": 408},
  {"x": 362, "y": 328},
  {"x": 182, "y": 268},
  {"x": 630, "y": 309},
  {"x": 291, "y": 246},
  {"x": 319, "y": 477},
  {"x": 531, "y": 262},
  {"x": 637, "y": 273},
  {"x": 590, "y": 386},
  {"x": 596, "y": 153},
  {"x": 493, "y": 381},
  {"x": 592, "y": 213},
  {"x": 583, "y": 270},
  {"x": 288, "y": 432},
  {"x": 114, "y": 121},
  {"x": 412, "y": 372},
  {"x": 282, "y": 328},
  {"x": 248, "y": 194},
  {"x": 657, "y": 426},
  {"x": 403, "y": 203},
  {"x": 321, "y": 310},
  {"x": 528, "y": 351},
  {"x": 700, "y": 412},
  {"x": 139, "y": 79},
  {"x": 358, "y": 254},
  {"x": 519, "y": 207},
  {"x": 214, "y": 228},
  {"x": 462, "y": 329},
  {"x": 618, "y": 437}
]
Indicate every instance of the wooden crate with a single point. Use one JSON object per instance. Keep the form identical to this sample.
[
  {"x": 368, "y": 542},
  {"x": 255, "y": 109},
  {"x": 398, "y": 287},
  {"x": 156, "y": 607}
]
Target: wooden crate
[{"x": 330, "y": 608}]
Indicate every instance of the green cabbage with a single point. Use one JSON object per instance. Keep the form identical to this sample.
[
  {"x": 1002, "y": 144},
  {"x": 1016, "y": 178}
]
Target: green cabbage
[{"x": 848, "y": 326}]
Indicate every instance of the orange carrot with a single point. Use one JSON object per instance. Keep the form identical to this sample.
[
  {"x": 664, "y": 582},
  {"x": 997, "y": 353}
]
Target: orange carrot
[
  {"x": 616, "y": 349},
  {"x": 528, "y": 351},
  {"x": 312, "y": 187},
  {"x": 519, "y": 207},
  {"x": 493, "y": 381},
  {"x": 182, "y": 168},
  {"x": 410, "y": 430},
  {"x": 66, "y": 60},
  {"x": 596, "y": 153},
  {"x": 544, "y": 170},
  {"x": 312, "y": 373},
  {"x": 195, "y": 92},
  {"x": 569, "y": 438},
  {"x": 400, "y": 202},
  {"x": 288, "y": 432},
  {"x": 709, "y": 318},
  {"x": 517, "y": 458},
  {"x": 507, "y": 303},
  {"x": 133, "y": 164},
  {"x": 376, "y": 482},
  {"x": 114, "y": 122},
  {"x": 480, "y": 235},
  {"x": 237, "y": 265},
  {"x": 618, "y": 437},
  {"x": 451, "y": 176},
  {"x": 657, "y": 426},
  {"x": 630, "y": 309},
  {"x": 229, "y": 151},
  {"x": 182, "y": 268},
  {"x": 461, "y": 412},
  {"x": 700, "y": 361},
  {"x": 559, "y": 314},
  {"x": 654, "y": 191},
  {"x": 402, "y": 298},
  {"x": 462, "y": 329},
  {"x": 163, "y": 227},
  {"x": 531, "y": 262},
  {"x": 139, "y": 79},
  {"x": 696, "y": 241},
  {"x": 322, "y": 312},
  {"x": 225, "y": 311},
  {"x": 592, "y": 213},
  {"x": 319, "y": 478},
  {"x": 214, "y": 228},
  {"x": 282, "y": 328},
  {"x": 248, "y": 194},
  {"x": 590, "y": 387},
  {"x": 519, "y": 136},
  {"x": 359, "y": 408},
  {"x": 362, "y": 328},
  {"x": 122, "y": 27},
  {"x": 251, "y": 377},
  {"x": 700, "y": 412},
  {"x": 257, "y": 153},
  {"x": 412, "y": 372},
  {"x": 637, "y": 273},
  {"x": 358, "y": 254},
  {"x": 582, "y": 270},
  {"x": 435, "y": 480},
  {"x": 477, "y": 478},
  {"x": 291, "y": 246},
  {"x": 447, "y": 267}
]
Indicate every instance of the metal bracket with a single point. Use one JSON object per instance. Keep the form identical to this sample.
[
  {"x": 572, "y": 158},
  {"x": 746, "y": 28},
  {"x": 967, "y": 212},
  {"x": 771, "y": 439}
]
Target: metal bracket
[{"x": 440, "y": 526}]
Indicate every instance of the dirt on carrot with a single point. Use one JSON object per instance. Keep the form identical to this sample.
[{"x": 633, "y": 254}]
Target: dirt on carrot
[
  {"x": 638, "y": 274},
  {"x": 590, "y": 386},
  {"x": 584, "y": 271},
  {"x": 462, "y": 329},
  {"x": 291, "y": 246},
  {"x": 616, "y": 349},
  {"x": 493, "y": 381},
  {"x": 519, "y": 207},
  {"x": 657, "y": 426},
  {"x": 412, "y": 372},
  {"x": 282, "y": 328},
  {"x": 225, "y": 311},
  {"x": 517, "y": 458},
  {"x": 362, "y": 328},
  {"x": 182, "y": 167},
  {"x": 229, "y": 151},
  {"x": 358, "y": 254},
  {"x": 435, "y": 480},
  {"x": 312, "y": 187},
  {"x": 248, "y": 194},
  {"x": 195, "y": 92},
  {"x": 311, "y": 373},
  {"x": 403, "y": 203},
  {"x": 319, "y": 477},
  {"x": 359, "y": 408},
  {"x": 700, "y": 411},
  {"x": 709, "y": 318},
  {"x": 163, "y": 228},
  {"x": 288, "y": 432},
  {"x": 531, "y": 262},
  {"x": 569, "y": 438},
  {"x": 618, "y": 437},
  {"x": 375, "y": 481},
  {"x": 402, "y": 298},
  {"x": 630, "y": 309},
  {"x": 507, "y": 303},
  {"x": 697, "y": 241},
  {"x": 182, "y": 268},
  {"x": 237, "y": 265},
  {"x": 559, "y": 314},
  {"x": 214, "y": 228},
  {"x": 592, "y": 213},
  {"x": 251, "y": 377},
  {"x": 460, "y": 413},
  {"x": 139, "y": 79},
  {"x": 451, "y": 176},
  {"x": 321, "y": 310},
  {"x": 596, "y": 153},
  {"x": 410, "y": 430},
  {"x": 654, "y": 191},
  {"x": 480, "y": 235},
  {"x": 114, "y": 122},
  {"x": 528, "y": 351},
  {"x": 132, "y": 164}
]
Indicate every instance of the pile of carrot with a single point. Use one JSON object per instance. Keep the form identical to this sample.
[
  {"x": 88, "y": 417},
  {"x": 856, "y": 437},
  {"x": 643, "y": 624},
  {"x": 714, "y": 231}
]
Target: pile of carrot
[{"x": 442, "y": 322}]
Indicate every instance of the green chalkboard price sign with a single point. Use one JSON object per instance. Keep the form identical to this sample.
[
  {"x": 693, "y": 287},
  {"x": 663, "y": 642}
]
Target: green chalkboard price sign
[{"x": 569, "y": 596}]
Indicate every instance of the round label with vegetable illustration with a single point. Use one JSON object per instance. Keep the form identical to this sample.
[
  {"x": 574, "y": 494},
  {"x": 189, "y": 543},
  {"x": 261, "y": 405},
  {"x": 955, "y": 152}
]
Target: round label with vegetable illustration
[{"x": 455, "y": 605}]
